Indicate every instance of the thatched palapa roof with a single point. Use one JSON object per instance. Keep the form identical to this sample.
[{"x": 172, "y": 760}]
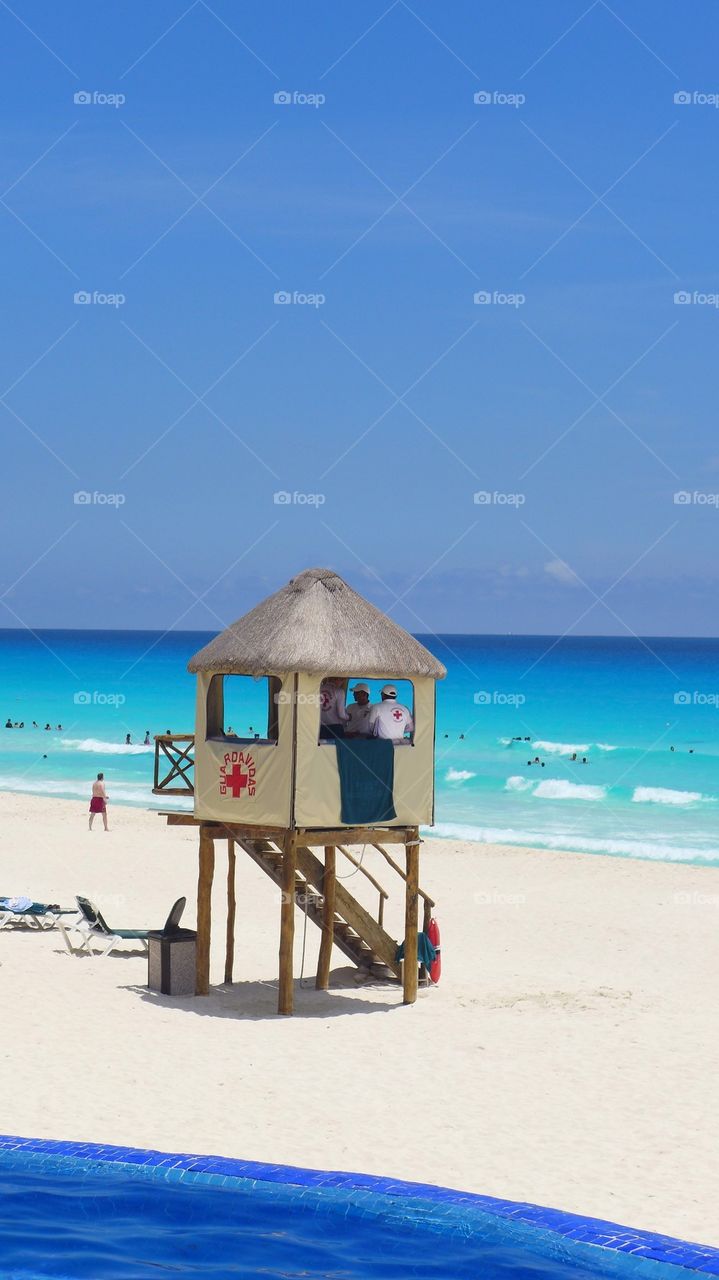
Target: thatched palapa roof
[{"x": 317, "y": 624}]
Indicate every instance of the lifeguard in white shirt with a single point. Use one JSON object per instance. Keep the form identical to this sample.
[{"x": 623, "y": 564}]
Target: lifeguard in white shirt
[
  {"x": 390, "y": 718},
  {"x": 333, "y": 714}
]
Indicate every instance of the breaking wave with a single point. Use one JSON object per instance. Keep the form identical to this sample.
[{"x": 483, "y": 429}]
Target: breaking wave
[
  {"x": 558, "y": 789},
  {"x": 569, "y": 748},
  {"x": 665, "y": 795},
  {"x": 572, "y": 843},
  {"x": 555, "y": 788},
  {"x": 71, "y": 789},
  {"x": 458, "y": 775},
  {"x": 99, "y": 747}
]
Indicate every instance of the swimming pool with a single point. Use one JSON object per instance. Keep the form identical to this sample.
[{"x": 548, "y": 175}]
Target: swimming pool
[{"x": 80, "y": 1211}]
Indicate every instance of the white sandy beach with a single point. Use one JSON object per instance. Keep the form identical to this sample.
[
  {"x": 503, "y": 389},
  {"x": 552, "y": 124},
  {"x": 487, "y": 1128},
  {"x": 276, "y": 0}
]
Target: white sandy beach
[{"x": 567, "y": 1058}]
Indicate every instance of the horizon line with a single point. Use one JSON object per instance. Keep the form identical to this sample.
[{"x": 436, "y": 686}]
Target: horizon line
[{"x": 437, "y": 635}]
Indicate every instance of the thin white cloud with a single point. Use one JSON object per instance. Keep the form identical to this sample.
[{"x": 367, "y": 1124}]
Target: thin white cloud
[{"x": 560, "y": 570}]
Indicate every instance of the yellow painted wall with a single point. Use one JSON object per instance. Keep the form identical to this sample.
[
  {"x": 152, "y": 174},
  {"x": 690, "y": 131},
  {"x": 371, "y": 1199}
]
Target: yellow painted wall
[
  {"x": 317, "y": 785},
  {"x": 316, "y": 781},
  {"x": 270, "y": 803}
]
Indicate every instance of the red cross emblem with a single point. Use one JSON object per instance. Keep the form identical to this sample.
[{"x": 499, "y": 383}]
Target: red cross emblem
[
  {"x": 238, "y": 774},
  {"x": 236, "y": 781},
  {"x": 396, "y": 714}
]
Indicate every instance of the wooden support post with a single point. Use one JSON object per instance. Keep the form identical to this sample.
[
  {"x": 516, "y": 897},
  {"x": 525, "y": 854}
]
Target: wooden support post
[
  {"x": 204, "y": 910},
  {"x": 287, "y": 924},
  {"x": 411, "y": 916},
  {"x": 328, "y": 914},
  {"x": 230, "y": 943}
]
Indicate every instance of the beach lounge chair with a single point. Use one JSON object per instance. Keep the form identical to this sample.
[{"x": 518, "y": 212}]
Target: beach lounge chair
[
  {"x": 37, "y": 915},
  {"x": 93, "y": 928}
]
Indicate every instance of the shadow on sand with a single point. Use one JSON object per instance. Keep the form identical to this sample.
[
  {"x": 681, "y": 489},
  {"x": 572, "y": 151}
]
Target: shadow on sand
[{"x": 257, "y": 1001}]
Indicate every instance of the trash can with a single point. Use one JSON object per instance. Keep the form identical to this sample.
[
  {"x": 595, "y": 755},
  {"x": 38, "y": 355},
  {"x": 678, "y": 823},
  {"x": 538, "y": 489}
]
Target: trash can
[{"x": 171, "y": 961}]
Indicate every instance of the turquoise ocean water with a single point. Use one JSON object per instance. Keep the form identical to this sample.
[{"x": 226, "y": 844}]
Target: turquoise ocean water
[{"x": 620, "y": 703}]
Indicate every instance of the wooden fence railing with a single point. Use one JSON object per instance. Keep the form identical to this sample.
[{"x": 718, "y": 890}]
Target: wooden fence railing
[{"x": 173, "y": 752}]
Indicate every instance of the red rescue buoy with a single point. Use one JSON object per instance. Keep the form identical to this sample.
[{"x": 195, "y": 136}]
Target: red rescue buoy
[{"x": 435, "y": 969}]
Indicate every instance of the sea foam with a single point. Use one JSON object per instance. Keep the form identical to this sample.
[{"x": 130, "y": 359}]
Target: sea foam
[
  {"x": 99, "y": 747},
  {"x": 135, "y": 793},
  {"x": 555, "y": 788},
  {"x": 665, "y": 795},
  {"x": 561, "y": 748},
  {"x": 458, "y": 775},
  {"x": 572, "y": 843},
  {"x": 558, "y": 789}
]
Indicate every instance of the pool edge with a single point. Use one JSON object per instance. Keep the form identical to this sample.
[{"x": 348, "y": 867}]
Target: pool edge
[{"x": 570, "y": 1226}]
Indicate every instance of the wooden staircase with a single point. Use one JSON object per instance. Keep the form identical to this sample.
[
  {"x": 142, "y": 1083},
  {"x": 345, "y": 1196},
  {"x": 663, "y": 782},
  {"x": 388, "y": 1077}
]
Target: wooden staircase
[{"x": 363, "y": 939}]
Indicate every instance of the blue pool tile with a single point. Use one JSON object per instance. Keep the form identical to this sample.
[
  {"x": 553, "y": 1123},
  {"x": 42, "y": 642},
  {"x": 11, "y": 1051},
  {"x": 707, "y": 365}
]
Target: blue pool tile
[{"x": 430, "y": 1205}]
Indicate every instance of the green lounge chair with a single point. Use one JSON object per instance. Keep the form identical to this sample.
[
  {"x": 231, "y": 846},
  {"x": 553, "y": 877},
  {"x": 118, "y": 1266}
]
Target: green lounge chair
[{"x": 38, "y": 915}]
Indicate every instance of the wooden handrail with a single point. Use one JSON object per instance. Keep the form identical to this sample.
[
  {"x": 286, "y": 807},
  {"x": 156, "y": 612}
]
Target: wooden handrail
[
  {"x": 364, "y": 870},
  {"x": 383, "y": 894},
  {"x": 429, "y": 901}
]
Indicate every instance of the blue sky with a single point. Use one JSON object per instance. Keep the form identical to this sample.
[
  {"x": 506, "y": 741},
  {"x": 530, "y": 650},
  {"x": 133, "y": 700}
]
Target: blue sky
[{"x": 382, "y": 398}]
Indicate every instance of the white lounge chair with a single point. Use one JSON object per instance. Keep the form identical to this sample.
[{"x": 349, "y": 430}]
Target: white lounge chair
[{"x": 92, "y": 928}]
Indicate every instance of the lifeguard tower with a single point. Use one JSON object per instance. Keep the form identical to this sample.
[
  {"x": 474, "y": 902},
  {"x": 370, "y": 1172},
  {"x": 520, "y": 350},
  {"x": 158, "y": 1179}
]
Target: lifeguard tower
[{"x": 287, "y": 789}]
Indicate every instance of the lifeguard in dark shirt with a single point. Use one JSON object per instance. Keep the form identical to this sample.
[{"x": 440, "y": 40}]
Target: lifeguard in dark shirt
[{"x": 358, "y": 712}]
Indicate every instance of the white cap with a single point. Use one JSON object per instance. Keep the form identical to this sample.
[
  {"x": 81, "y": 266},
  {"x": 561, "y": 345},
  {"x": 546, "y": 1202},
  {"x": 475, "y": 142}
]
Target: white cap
[
  {"x": 360, "y": 687},
  {"x": 389, "y": 691}
]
